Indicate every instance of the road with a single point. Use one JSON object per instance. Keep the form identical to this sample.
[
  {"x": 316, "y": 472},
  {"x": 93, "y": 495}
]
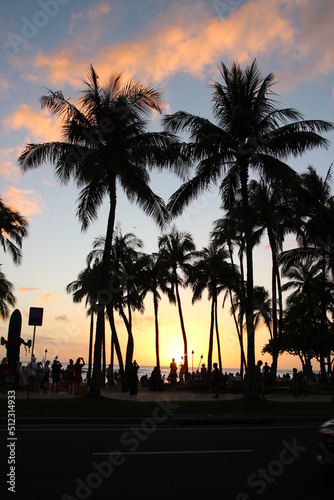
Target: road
[{"x": 147, "y": 461}]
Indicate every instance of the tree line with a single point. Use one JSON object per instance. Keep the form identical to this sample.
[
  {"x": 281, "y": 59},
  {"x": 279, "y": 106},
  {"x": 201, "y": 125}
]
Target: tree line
[{"x": 108, "y": 146}]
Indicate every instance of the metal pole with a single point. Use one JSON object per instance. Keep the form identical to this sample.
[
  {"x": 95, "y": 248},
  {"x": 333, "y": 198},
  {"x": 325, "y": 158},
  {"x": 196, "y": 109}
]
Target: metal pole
[{"x": 32, "y": 354}]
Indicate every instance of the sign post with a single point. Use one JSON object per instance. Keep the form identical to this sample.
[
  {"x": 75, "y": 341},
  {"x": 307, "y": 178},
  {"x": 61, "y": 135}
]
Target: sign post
[{"x": 35, "y": 319}]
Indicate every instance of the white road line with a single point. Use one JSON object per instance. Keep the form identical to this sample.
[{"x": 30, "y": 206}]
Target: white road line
[{"x": 187, "y": 452}]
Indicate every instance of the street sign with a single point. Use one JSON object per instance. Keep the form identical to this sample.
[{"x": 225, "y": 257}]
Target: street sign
[{"x": 35, "y": 316}]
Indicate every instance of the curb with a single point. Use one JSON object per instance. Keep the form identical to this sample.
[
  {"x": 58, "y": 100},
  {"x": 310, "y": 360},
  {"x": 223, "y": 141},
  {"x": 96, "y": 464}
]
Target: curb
[{"x": 175, "y": 421}]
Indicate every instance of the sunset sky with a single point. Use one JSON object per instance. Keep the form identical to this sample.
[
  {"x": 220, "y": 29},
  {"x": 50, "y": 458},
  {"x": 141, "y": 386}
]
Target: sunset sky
[{"x": 176, "y": 46}]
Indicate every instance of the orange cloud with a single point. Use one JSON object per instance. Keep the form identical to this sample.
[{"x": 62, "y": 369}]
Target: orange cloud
[
  {"x": 28, "y": 290},
  {"x": 8, "y": 168},
  {"x": 46, "y": 298},
  {"x": 295, "y": 33},
  {"x": 41, "y": 125},
  {"x": 170, "y": 45},
  {"x": 24, "y": 200}
]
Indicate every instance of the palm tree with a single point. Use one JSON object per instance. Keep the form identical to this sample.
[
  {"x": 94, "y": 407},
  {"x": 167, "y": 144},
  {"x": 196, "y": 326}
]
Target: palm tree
[
  {"x": 228, "y": 231},
  {"x": 274, "y": 210},
  {"x": 251, "y": 132},
  {"x": 154, "y": 276},
  {"x": 123, "y": 288},
  {"x": 314, "y": 226},
  {"x": 106, "y": 145},
  {"x": 7, "y": 297},
  {"x": 211, "y": 271},
  {"x": 177, "y": 250},
  {"x": 13, "y": 228},
  {"x": 87, "y": 285}
]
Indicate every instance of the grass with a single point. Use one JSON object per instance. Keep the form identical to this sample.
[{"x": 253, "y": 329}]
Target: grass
[{"x": 106, "y": 407}]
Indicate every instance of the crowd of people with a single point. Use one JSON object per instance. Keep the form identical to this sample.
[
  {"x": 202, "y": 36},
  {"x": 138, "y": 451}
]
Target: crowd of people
[
  {"x": 46, "y": 376},
  {"x": 43, "y": 376}
]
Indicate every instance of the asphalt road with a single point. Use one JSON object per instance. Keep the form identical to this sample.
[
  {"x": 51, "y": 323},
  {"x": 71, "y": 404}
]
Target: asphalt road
[{"x": 147, "y": 461}]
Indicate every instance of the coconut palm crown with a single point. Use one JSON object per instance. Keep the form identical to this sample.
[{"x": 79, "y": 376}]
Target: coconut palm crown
[{"x": 107, "y": 144}]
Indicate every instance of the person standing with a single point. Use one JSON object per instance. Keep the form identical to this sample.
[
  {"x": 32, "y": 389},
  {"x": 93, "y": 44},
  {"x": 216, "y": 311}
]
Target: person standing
[
  {"x": 215, "y": 377},
  {"x": 46, "y": 378},
  {"x": 134, "y": 378},
  {"x": 56, "y": 372},
  {"x": 70, "y": 376},
  {"x": 173, "y": 371},
  {"x": 77, "y": 373}
]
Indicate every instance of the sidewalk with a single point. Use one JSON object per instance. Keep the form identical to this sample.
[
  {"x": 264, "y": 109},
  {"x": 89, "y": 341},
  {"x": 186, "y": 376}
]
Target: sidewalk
[{"x": 172, "y": 394}]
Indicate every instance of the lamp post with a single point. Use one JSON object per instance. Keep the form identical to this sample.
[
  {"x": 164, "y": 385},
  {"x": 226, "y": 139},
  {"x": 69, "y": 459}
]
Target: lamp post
[{"x": 192, "y": 362}]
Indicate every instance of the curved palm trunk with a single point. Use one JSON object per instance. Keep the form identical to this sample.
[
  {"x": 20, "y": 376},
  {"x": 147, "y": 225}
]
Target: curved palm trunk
[
  {"x": 156, "y": 323},
  {"x": 129, "y": 347},
  {"x": 95, "y": 388},
  {"x": 115, "y": 342},
  {"x": 251, "y": 388},
  {"x": 183, "y": 330}
]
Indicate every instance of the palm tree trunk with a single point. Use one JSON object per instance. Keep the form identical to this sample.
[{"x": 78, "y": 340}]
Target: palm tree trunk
[
  {"x": 115, "y": 341},
  {"x": 211, "y": 337},
  {"x": 217, "y": 336},
  {"x": 95, "y": 388},
  {"x": 274, "y": 304},
  {"x": 183, "y": 330},
  {"x": 239, "y": 330},
  {"x": 251, "y": 388},
  {"x": 129, "y": 347},
  {"x": 104, "y": 369},
  {"x": 90, "y": 349},
  {"x": 157, "y": 355}
]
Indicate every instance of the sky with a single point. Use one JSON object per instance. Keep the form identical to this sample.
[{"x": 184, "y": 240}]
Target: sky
[{"x": 177, "y": 47}]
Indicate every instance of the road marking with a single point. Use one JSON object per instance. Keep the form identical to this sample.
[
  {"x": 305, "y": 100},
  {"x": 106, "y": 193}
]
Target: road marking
[{"x": 182, "y": 452}]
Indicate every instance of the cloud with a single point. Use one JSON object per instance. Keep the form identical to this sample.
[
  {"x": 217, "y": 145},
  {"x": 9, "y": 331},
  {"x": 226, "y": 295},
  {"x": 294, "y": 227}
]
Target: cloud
[
  {"x": 46, "y": 298},
  {"x": 26, "y": 201},
  {"x": 299, "y": 30},
  {"x": 5, "y": 86},
  {"x": 62, "y": 317},
  {"x": 8, "y": 168},
  {"x": 28, "y": 290},
  {"x": 42, "y": 127}
]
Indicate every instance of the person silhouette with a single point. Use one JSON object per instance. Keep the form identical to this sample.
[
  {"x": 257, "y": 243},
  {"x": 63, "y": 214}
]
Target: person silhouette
[
  {"x": 215, "y": 377},
  {"x": 77, "y": 373},
  {"x": 173, "y": 371}
]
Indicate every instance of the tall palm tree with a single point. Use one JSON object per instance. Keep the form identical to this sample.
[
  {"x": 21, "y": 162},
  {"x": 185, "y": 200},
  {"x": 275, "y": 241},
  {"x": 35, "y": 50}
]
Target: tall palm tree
[
  {"x": 177, "y": 250},
  {"x": 252, "y": 132},
  {"x": 153, "y": 278},
  {"x": 211, "y": 271},
  {"x": 106, "y": 145},
  {"x": 275, "y": 215},
  {"x": 228, "y": 231},
  {"x": 13, "y": 228}
]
